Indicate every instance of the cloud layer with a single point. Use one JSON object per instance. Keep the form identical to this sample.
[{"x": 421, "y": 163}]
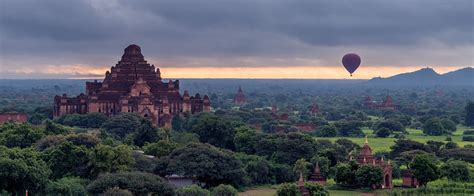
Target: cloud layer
[{"x": 229, "y": 33}]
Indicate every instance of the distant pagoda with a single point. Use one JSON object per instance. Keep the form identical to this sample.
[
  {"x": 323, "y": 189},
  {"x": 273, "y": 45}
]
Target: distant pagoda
[
  {"x": 239, "y": 98},
  {"x": 135, "y": 86}
]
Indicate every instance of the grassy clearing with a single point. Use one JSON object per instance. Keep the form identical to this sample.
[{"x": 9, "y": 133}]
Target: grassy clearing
[
  {"x": 259, "y": 192},
  {"x": 384, "y": 144}
]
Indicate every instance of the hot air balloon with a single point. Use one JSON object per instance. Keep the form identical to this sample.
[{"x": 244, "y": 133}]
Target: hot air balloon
[{"x": 351, "y": 62}]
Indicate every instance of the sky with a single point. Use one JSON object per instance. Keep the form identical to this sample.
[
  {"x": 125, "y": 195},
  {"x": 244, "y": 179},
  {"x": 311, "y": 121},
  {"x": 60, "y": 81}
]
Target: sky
[{"x": 235, "y": 39}]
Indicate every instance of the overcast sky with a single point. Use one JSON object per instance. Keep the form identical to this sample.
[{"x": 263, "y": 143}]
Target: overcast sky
[{"x": 83, "y": 38}]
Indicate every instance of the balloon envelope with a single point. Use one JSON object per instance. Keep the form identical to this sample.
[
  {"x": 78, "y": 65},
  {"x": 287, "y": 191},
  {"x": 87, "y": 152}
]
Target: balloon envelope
[{"x": 351, "y": 62}]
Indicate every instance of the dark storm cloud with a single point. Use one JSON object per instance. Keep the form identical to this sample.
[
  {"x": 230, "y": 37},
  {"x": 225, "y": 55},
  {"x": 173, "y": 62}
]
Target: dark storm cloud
[{"x": 94, "y": 31}]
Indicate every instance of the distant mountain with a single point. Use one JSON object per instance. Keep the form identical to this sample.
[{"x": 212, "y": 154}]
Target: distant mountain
[{"x": 427, "y": 77}]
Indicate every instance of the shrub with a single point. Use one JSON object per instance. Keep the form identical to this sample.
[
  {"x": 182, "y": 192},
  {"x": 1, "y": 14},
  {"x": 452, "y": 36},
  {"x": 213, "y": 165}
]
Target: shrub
[
  {"x": 67, "y": 186},
  {"x": 383, "y": 132},
  {"x": 116, "y": 191},
  {"x": 326, "y": 131},
  {"x": 316, "y": 189},
  {"x": 193, "y": 190},
  {"x": 224, "y": 190},
  {"x": 287, "y": 189},
  {"x": 468, "y": 132},
  {"x": 139, "y": 183},
  {"x": 468, "y": 138}
]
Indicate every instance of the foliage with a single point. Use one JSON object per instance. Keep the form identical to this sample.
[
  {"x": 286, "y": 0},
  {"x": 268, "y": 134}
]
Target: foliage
[
  {"x": 19, "y": 135},
  {"x": 216, "y": 131},
  {"x": 316, "y": 189},
  {"x": 224, "y": 190},
  {"x": 456, "y": 170},
  {"x": 326, "y": 131},
  {"x": 346, "y": 173},
  {"x": 22, "y": 169},
  {"x": 390, "y": 124},
  {"x": 110, "y": 159},
  {"x": 469, "y": 119},
  {"x": 468, "y": 138},
  {"x": 67, "y": 186},
  {"x": 53, "y": 128},
  {"x": 349, "y": 128},
  {"x": 193, "y": 190},
  {"x": 383, "y": 132},
  {"x": 145, "y": 133},
  {"x": 138, "y": 183},
  {"x": 434, "y": 126},
  {"x": 160, "y": 148},
  {"x": 368, "y": 176},
  {"x": 89, "y": 120},
  {"x": 425, "y": 168},
  {"x": 213, "y": 166},
  {"x": 123, "y": 124},
  {"x": 465, "y": 154},
  {"x": 301, "y": 167},
  {"x": 405, "y": 158},
  {"x": 403, "y": 145},
  {"x": 287, "y": 189},
  {"x": 116, "y": 191},
  {"x": 67, "y": 159}
]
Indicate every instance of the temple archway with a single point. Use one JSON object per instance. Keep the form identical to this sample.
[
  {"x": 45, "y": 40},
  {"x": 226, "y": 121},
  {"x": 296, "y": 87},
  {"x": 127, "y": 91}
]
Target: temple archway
[{"x": 387, "y": 181}]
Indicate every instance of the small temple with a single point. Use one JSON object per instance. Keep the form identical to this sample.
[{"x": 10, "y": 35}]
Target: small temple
[
  {"x": 317, "y": 177},
  {"x": 239, "y": 98},
  {"x": 13, "y": 117},
  {"x": 135, "y": 86},
  {"x": 365, "y": 158}
]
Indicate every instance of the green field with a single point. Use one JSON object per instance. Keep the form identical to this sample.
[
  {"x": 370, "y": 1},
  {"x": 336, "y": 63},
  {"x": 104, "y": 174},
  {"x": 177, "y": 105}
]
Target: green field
[{"x": 384, "y": 144}]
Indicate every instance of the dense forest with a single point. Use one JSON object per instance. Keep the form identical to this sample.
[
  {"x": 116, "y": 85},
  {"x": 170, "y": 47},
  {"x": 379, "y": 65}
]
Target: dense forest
[{"x": 281, "y": 131}]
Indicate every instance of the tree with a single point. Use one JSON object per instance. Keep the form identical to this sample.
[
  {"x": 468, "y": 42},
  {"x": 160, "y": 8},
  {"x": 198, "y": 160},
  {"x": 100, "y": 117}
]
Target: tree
[
  {"x": 456, "y": 170},
  {"x": 392, "y": 125},
  {"x": 316, "y": 189},
  {"x": 94, "y": 119},
  {"x": 213, "y": 166},
  {"x": 403, "y": 145},
  {"x": 145, "y": 133},
  {"x": 193, "y": 190},
  {"x": 160, "y": 148},
  {"x": 287, "y": 189},
  {"x": 123, "y": 124},
  {"x": 383, "y": 132},
  {"x": 245, "y": 140},
  {"x": 346, "y": 173},
  {"x": 139, "y": 183},
  {"x": 405, "y": 158},
  {"x": 425, "y": 169},
  {"x": 469, "y": 120},
  {"x": 55, "y": 129},
  {"x": 301, "y": 167},
  {"x": 216, "y": 131},
  {"x": 349, "y": 128},
  {"x": 448, "y": 125},
  {"x": 19, "y": 135},
  {"x": 67, "y": 186},
  {"x": 327, "y": 131},
  {"x": 105, "y": 158},
  {"x": 433, "y": 126},
  {"x": 67, "y": 159},
  {"x": 224, "y": 190},
  {"x": 368, "y": 176},
  {"x": 258, "y": 169},
  {"x": 22, "y": 169}
]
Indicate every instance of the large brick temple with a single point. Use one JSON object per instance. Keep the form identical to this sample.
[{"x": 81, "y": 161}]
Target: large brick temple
[{"x": 133, "y": 85}]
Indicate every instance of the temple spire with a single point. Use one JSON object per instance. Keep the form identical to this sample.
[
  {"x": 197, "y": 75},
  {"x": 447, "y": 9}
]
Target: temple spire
[{"x": 366, "y": 140}]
